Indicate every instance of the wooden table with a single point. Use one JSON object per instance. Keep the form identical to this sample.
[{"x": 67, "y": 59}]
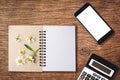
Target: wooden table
[{"x": 59, "y": 12}]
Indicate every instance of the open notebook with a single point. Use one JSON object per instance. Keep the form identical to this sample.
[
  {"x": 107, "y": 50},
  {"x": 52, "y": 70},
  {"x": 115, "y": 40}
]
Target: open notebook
[{"x": 38, "y": 48}]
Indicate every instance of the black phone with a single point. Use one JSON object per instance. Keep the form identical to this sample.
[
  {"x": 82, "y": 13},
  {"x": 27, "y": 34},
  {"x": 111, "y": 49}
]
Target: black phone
[{"x": 93, "y": 23}]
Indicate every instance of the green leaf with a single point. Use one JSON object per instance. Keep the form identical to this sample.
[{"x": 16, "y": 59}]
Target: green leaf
[{"x": 28, "y": 47}]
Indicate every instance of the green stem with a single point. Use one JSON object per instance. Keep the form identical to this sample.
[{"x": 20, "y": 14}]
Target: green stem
[{"x": 34, "y": 52}]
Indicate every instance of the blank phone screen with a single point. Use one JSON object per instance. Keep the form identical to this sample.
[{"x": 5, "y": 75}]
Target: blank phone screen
[{"x": 93, "y": 23}]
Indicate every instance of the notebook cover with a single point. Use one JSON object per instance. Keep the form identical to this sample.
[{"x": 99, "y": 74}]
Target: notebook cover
[{"x": 16, "y": 46}]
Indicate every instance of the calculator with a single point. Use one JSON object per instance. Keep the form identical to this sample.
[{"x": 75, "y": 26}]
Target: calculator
[{"x": 98, "y": 68}]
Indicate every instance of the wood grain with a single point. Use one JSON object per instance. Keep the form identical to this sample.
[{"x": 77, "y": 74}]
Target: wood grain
[{"x": 59, "y": 12}]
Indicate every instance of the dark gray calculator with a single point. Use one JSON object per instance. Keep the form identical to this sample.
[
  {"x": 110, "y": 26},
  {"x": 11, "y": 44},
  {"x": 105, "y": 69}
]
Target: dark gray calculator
[{"x": 98, "y": 68}]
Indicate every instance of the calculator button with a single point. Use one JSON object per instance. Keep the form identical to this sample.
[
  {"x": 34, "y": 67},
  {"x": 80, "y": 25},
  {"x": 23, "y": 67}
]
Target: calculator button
[
  {"x": 94, "y": 74},
  {"x": 87, "y": 78},
  {"x": 82, "y": 76},
  {"x": 98, "y": 77},
  {"x": 92, "y": 78},
  {"x": 84, "y": 73},
  {"x": 88, "y": 75},
  {"x": 102, "y": 79}
]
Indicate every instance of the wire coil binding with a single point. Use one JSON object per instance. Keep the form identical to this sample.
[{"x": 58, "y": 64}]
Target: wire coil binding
[{"x": 42, "y": 42}]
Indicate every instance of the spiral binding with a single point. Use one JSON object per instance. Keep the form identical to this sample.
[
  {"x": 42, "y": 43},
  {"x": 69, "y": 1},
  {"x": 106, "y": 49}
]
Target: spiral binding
[{"x": 42, "y": 42}]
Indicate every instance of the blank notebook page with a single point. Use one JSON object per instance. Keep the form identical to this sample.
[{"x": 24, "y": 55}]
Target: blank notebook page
[{"x": 60, "y": 48}]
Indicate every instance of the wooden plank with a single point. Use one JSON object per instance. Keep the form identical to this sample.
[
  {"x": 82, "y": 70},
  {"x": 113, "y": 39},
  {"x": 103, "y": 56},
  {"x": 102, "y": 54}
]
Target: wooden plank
[{"x": 59, "y": 12}]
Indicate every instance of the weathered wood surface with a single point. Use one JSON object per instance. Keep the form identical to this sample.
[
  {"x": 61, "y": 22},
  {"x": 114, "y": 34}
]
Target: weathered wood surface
[{"x": 59, "y": 12}]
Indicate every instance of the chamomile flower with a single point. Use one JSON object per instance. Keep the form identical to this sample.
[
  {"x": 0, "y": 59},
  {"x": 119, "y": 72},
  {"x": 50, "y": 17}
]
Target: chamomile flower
[
  {"x": 30, "y": 39},
  {"x": 20, "y": 61},
  {"x": 22, "y": 52},
  {"x": 29, "y": 59},
  {"x": 18, "y": 39}
]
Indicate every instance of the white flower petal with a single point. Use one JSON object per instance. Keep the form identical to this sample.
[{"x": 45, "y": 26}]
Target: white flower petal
[
  {"x": 29, "y": 41},
  {"x": 20, "y": 63},
  {"x": 33, "y": 40},
  {"x": 26, "y": 38}
]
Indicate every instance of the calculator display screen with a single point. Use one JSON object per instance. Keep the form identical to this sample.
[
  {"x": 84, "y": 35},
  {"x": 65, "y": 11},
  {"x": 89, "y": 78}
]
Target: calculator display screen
[{"x": 101, "y": 67}]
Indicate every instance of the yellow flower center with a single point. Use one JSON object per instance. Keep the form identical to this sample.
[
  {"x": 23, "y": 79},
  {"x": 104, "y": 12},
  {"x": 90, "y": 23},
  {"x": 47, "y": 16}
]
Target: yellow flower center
[
  {"x": 28, "y": 59},
  {"x": 21, "y": 52},
  {"x": 19, "y": 61},
  {"x": 30, "y": 37}
]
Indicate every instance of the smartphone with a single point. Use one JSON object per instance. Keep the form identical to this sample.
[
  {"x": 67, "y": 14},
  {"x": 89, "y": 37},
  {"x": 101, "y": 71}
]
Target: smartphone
[{"x": 93, "y": 23}]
